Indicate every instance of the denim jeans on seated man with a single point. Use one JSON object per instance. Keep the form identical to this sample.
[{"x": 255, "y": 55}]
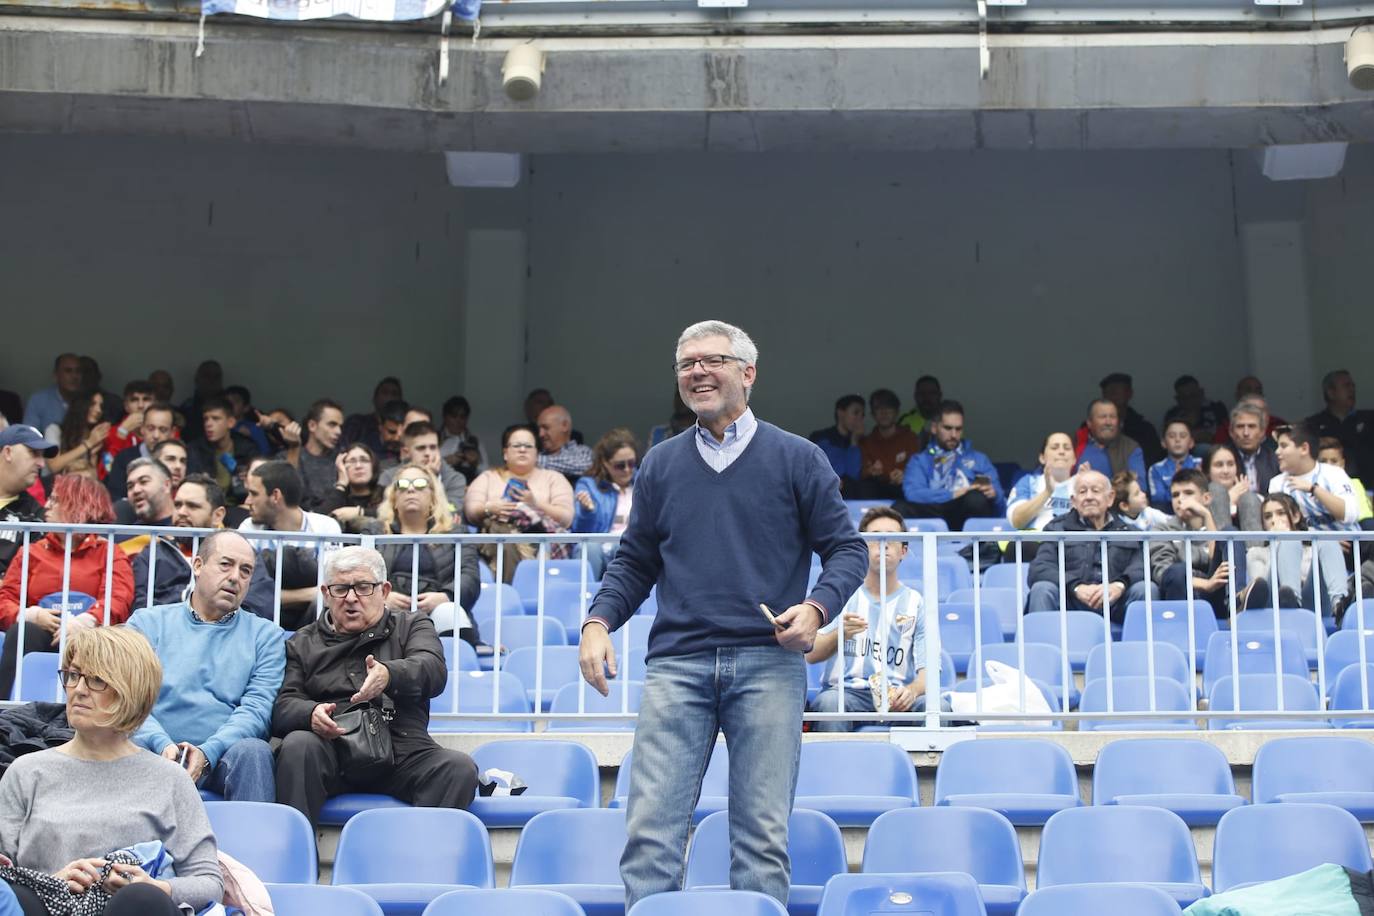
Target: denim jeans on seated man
[
  {"x": 1044, "y": 596},
  {"x": 857, "y": 700},
  {"x": 244, "y": 773},
  {"x": 755, "y": 695}
]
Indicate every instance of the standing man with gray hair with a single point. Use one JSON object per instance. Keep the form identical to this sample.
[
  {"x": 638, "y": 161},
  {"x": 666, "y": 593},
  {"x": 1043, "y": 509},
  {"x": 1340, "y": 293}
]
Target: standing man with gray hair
[
  {"x": 724, "y": 522},
  {"x": 360, "y": 652}
]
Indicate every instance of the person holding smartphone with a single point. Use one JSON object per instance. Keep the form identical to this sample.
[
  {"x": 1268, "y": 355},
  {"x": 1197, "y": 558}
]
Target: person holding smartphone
[{"x": 950, "y": 479}]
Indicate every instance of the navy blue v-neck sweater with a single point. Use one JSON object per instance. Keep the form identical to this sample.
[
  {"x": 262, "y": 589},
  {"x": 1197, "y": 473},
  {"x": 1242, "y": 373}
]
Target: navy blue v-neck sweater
[{"x": 719, "y": 544}]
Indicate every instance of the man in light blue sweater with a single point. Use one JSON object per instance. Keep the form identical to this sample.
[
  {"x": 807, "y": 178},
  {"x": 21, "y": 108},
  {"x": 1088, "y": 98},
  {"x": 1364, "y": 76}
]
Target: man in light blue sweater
[
  {"x": 725, "y": 519},
  {"x": 221, "y": 670}
]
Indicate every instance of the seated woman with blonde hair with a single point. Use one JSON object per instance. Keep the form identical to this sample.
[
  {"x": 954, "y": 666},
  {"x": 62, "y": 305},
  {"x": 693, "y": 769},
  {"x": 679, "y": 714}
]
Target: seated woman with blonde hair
[{"x": 64, "y": 812}]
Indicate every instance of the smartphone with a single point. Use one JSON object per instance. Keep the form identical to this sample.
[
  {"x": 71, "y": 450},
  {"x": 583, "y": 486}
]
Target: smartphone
[
  {"x": 770, "y": 616},
  {"x": 513, "y": 490},
  {"x": 981, "y": 480},
  {"x": 181, "y": 758}
]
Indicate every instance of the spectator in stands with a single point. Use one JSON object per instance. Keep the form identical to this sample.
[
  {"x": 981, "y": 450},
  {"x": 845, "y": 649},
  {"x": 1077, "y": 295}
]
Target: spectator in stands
[
  {"x": 1178, "y": 446},
  {"x": 1330, "y": 451},
  {"x": 681, "y": 418},
  {"x": 536, "y": 402},
  {"x": 1254, "y": 447},
  {"x": 1119, "y": 389},
  {"x": 1088, "y": 586},
  {"x": 22, "y": 452},
  {"x": 928, "y": 396},
  {"x": 402, "y": 663},
  {"x": 208, "y": 383},
  {"x": 1327, "y": 499},
  {"x": 415, "y": 505},
  {"x": 420, "y": 445},
  {"x": 884, "y": 643},
  {"x": 1210, "y": 569},
  {"x": 841, "y": 446},
  {"x": 1047, "y": 493},
  {"x": 197, "y": 502},
  {"x": 138, "y": 397},
  {"x": 1205, "y": 418},
  {"x": 221, "y": 452},
  {"x": 157, "y": 427},
  {"x": 716, "y": 548},
  {"x": 950, "y": 479},
  {"x": 163, "y": 385},
  {"x": 317, "y": 459},
  {"x": 91, "y": 383},
  {"x": 221, "y": 671},
  {"x": 1341, "y": 419},
  {"x": 1250, "y": 388},
  {"x": 356, "y": 493},
  {"x": 62, "y": 810},
  {"x": 605, "y": 496},
  {"x": 458, "y": 446},
  {"x": 1293, "y": 567},
  {"x": 1230, "y": 490},
  {"x": 558, "y": 451},
  {"x": 74, "y": 501},
  {"x": 1107, "y": 450},
  {"x": 518, "y": 497},
  {"x": 274, "y": 504},
  {"x": 149, "y": 501},
  {"x": 172, "y": 454},
  {"x": 366, "y": 427},
  {"x": 1132, "y": 506},
  {"x": 246, "y": 417},
  {"x": 886, "y": 451},
  {"x": 48, "y": 407},
  {"x": 80, "y": 438}
]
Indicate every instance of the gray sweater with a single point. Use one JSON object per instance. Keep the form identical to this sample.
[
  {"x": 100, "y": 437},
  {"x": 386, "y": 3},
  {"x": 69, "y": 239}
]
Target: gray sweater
[{"x": 55, "y": 809}]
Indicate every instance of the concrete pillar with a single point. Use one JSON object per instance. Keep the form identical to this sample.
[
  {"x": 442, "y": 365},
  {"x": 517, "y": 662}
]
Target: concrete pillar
[
  {"x": 494, "y": 332},
  {"x": 1280, "y": 325}
]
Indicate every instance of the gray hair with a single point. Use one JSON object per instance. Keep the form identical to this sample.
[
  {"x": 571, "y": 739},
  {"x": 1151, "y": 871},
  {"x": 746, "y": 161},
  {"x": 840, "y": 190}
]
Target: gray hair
[
  {"x": 158, "y": 467},
  {"x": 351, "y": 559},
  {"x": 741, "y": 344},
  {"x": 1251, "y": 408}
]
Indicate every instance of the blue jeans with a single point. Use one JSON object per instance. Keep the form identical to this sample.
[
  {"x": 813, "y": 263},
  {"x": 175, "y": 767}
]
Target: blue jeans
[
  {"x": 244, "y": 772},
  {"x": 856, "y": 699},
  {"x": 1044, "y": 596},
  {"x": 755, "y": 695}
]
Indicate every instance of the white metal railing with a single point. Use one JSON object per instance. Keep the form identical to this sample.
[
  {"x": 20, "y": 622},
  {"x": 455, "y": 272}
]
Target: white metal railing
[{"x": 922, "y": 570}]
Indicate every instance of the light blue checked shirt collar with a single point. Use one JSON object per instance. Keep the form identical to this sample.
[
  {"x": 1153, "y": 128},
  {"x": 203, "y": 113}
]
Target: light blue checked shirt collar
[{"x": 738, "y": 435}]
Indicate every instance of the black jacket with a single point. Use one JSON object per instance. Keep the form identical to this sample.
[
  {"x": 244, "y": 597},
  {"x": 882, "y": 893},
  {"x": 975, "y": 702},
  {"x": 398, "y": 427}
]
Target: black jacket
[
  {"x": 327, "y": 667},
  {"x": 1266, "y": 464},
  {"x": 441, "y": 580},
  {"x": 23, "y": 509},
  {"x": 1083, "y": 558},
  {"x": 31, "y": 727}
]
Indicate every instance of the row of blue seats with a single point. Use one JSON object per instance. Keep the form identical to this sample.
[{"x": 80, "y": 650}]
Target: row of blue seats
[{"x": 406, "y": 859}]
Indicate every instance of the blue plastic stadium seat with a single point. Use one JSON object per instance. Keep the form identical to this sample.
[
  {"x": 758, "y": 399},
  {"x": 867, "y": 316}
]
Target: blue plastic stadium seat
[
  {"x": 1002, "y": 601},
  {"x": 693, "y": 903},
  {"x": 1349, "y": 694},
  {"x": 1085, "y": 632},
  {"x": 275, "y": 841},
  {"x": 1132, "y": 659},
  {"x": 405, "y": 858},
  {"x": 1026, "y": 780},
  {"x": 1255, "y": 653},
  {"x": 932, "y": 525},
  {"x": 1132, "y": 694},
  {"x": 472, "y": 691},
  {"x": 952, "y": 570},
  {"x": 1042, "y": 663},
  {"x": 521, "y": 631},
  {"x": 1351, "y": 620},
  {"x": 1265, "y": 842},
  {"x": 484, "y": 572},
  {"x": 1003, "y": 575},
  {"x": 826, "y": 780},
  {"x": 715, "y": 784},
  {"x": 939, "y": 894},
  {"x": 560, "y": 667},
  {"x": 526, "y": 578},
  {"x": 1096, "y": 899},
  {"x": 559, "y": 774},
  {"x": 857, "y": 507},
  {"x": 1189, "y": 777},
  {"x": 1329, "y": 770},
  {"x": 565, "y": 701},
  {"x": 566, "y": 602},
  {"x": 1343, "y": 650},
  {"x": 314, "y": 899},
  {"x": 1169, "y": 623},
  {"x": 1115, "y": 844},
  {"x": 975, "y": 841},
  {"x": 814, "y": 844},
  {"x": 1299, "y": 623},
  {"x": 339, "y": 809},
  {"x": 484, "y": 608},
  {"x": 460, "y": 652},
  {"x": 507, "y": 901},
  {"x": 1257, "y": 693},
  {"x": 575, "y": 852},
  {"x": 39, "y": 677},
  {"x": 988, "y": 524},
  {"x": 957, "y": 623}
]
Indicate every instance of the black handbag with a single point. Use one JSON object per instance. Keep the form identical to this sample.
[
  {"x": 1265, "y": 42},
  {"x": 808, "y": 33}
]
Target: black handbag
[{"x": 365, "y": 745}]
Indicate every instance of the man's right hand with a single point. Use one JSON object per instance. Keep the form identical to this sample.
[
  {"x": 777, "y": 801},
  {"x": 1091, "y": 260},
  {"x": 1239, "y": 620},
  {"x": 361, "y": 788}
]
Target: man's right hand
[
  {"x": 321, "y": 723},
  {"x": 596, "y": 656}
]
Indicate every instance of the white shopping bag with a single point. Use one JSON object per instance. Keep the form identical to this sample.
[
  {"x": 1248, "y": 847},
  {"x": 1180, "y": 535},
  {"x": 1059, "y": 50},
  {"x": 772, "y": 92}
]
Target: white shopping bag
[{"x": 1003, "y": 695}]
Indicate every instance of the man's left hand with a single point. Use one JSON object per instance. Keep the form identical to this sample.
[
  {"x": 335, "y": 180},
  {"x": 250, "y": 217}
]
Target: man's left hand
[
  {"x": 378, "y": 677},
  {"x": 797, "y": 627}
]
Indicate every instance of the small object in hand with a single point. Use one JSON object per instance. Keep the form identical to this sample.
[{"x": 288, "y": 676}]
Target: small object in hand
[
  {"x": 183, "y": 758},
  {"x": 771, "y": 617}
]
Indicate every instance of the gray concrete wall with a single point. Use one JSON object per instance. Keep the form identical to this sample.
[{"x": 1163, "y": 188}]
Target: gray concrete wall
[{"x": 1340, "y": 248}]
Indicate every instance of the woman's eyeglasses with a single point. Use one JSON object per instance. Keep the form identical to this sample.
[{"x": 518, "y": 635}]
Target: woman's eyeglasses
[
  {"x": 625, "y": 465},
  {"x": 416, "y": 483},
  {"x": 69, "y": 679},
  {"x": 357, "y": 462}
]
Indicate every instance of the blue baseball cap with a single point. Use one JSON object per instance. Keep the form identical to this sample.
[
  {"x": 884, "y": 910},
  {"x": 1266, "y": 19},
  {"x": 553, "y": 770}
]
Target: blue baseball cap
[{"x": 19, "y": 434}]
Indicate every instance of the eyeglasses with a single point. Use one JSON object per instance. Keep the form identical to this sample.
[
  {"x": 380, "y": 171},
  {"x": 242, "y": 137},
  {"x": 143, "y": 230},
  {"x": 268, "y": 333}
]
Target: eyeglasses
[
  {"x": 69, "y": 679},
  {"x": 625, "y": 465},
  {"x": 521, "y": 446},
  {"x": 356, "y": 462},
  {"x": 409, "y": 483},
  {"x": 361, "y": 589},
  {"x": 709, "y": 363}
]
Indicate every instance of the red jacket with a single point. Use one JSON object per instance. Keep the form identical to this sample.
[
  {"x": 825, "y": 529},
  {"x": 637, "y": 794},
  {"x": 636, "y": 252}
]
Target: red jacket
[{"x": 89, "y": 553}]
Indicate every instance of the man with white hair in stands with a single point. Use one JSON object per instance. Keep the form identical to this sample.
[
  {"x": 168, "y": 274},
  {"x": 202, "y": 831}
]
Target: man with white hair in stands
[
  {"x": 558, "y": 450},
  {"x": 359, "y": 654},
  {"x": 221, "y": 670},
  {"x": 725, "y": 519}
]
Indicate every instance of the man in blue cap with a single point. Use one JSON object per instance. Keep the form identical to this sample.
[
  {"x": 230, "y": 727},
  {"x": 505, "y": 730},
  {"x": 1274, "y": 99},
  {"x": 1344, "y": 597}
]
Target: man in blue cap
[{"x": 22, "y": 450}]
